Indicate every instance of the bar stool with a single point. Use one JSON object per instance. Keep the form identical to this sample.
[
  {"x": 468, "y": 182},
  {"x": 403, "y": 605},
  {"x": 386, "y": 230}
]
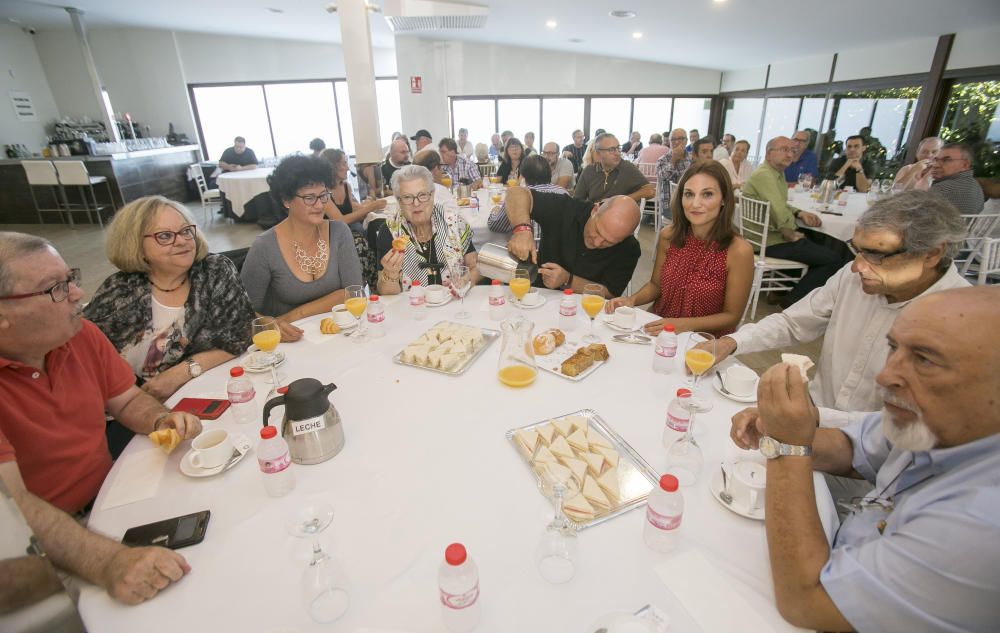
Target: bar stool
[
  {"x": 73, "y": 173},
  {"x": 41, "y": 173}
]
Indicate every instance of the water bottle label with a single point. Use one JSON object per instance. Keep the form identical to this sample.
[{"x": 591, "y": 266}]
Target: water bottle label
[
  {"x": 301, "y": 427},
  {"x": 498, "y": 301},
  {"x": 678, "y": 424},
  {"x": 568, "y": 311},
  {"x": 239, "y": 397},
  {"x": 460, "y": 600},
  {"x": 377, "y": 317},
  {"x": 661, "y": 521},
  {"x": 271, "y": 466},
  {"x": 666, "y": 351},
  {"x": 417, "y": 300}
]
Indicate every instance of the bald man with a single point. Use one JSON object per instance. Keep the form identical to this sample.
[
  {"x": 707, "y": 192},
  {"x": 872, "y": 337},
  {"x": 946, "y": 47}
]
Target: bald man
[
  {"x": 582, "y": 243},
  {"x": 399, "y": 155}
]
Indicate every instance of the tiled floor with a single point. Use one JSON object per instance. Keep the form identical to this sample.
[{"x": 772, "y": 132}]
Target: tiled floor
[{"x": 83, "y": 246}]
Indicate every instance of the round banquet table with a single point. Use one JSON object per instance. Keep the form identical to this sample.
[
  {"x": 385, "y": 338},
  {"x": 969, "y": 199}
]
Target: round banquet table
[
  {"x": 425, "y": 464},
  {"x": 838, "y": 226},
  {"x": 241, "y": 186}
]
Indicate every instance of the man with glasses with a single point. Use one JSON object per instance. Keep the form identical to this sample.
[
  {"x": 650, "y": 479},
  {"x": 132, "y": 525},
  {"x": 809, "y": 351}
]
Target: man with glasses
[
  {"x": 921, "y": 551},
  {"x": 725, "y": 149},
  {"x": 58, "y": 377},
  {"x": 852, "y": 167},
  {"x": 610, "y": 175},
  {"x": 670, "y": 167},
  {"x": 804, "y": 160},
  {"x": 951, "y": 170},
  {"x": 459, "y": 168},
  {"x": 561, "y": 168}
]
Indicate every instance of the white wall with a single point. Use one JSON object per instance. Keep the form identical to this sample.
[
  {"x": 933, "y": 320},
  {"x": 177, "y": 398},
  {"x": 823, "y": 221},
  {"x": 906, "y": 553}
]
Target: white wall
[
  {"x": 801, "y": 72},
  {"x": 21, "y": 70},
  {"x": 67, "y": 74},
  {"x": 972, "y": 49},
  {"x": 744, "y": 79},
  {"x": 898, "y": 58}
]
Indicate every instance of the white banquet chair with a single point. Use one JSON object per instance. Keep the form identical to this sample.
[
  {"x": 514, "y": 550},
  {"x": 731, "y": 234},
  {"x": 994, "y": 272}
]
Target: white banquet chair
[
  {"x": 990, "y": 263},
  {"x": 770, "y": 273},
  {"x": 979, "y": 227},
  {"x": 210, "y": 198}
]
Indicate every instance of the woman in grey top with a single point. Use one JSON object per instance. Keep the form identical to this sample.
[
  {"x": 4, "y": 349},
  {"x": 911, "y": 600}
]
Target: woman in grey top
[{"x": 301, "y": 266}]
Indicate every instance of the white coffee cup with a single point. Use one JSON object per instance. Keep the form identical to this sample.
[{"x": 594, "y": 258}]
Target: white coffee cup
[
  {"x": 436, "y": 293},
  {"x": 531, "y": 297},
  {"x": 747, "y": 483},
  {"x": 341, "y": 316},
  {"x": 211, "y": 449},
  {"x": 741, "y": 380},
  {"x": 625, "y": 317}
]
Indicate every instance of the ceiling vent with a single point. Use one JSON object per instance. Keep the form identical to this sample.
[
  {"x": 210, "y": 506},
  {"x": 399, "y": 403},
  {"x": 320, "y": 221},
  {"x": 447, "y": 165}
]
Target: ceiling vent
[{"x": 431, "y": 15}]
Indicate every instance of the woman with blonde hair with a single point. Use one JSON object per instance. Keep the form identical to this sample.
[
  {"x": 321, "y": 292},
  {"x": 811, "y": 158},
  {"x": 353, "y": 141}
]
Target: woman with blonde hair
[{"x": 173, "y": 310}]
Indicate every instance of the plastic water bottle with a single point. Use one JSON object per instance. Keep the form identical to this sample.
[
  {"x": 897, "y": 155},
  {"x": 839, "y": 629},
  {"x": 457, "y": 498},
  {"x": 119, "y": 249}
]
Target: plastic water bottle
[
  {"x": 376, "y": 318},
  {"x": 458, "y": 582},
  {"x": 665, "y": 350},
  {"x": 664, "y": 511},
  {"x": 498, "y": 301},
  {"x": 241, "y": 394},
  {"x": 418, "y": 301},
  {"x": 678, "y": 417},
  {"x": 567, "y": 311},
  {"x": 275, "y": 462}
]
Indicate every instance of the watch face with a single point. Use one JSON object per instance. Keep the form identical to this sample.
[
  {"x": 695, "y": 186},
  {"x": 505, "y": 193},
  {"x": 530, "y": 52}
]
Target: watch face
[
  {"x": 194, "y": 368},
  {"x": 768, "y": 447}
]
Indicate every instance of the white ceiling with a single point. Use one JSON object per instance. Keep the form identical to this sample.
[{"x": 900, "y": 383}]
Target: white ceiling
[{"x": 722, "y": 35}]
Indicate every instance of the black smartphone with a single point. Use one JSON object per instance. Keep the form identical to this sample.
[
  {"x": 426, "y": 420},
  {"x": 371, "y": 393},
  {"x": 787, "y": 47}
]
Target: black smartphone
[{"x": 174, "y": 533}]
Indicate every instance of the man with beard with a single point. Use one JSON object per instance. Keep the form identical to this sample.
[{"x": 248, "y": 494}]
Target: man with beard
[{"x": 921, "y": 551}]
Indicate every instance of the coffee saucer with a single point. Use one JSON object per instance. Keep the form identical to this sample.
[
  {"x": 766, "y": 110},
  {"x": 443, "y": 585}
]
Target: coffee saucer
[
  {"x": 249, "y": 363},
  {"x": 732, "y": 396},
  {"x": 541, "y": 301},
  {"x": 437, "y": 304},
  {"x": 241, "y": 444},
  {"x": 715, "y": 486}
]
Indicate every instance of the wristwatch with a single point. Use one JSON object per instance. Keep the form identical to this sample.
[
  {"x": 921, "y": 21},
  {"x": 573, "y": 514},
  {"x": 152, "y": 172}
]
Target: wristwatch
[
  {"x": 194, "y": 368},
  {"x": 772, "y": 449}
]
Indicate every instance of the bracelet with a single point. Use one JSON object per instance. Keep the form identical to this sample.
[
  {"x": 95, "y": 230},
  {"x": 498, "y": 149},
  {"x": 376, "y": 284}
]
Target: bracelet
[
  {"x": 387, "y": 278},
  {"x": 569, "y": 282},
  {"x": 521, "y": 228}
]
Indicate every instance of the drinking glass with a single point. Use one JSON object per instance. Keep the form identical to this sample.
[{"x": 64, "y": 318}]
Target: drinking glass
[
  {"x": 886, "y": 186},
  {"x": 356, "y": 303},
  {"x": 699, "y": 356},
  {"x": 592, "y": 303},
  {"x": 461, "y": 281},
  {"x": 520, "y": 284},
  {"x": 266, "y": 336},
  {"x": 446, "y": 181},
  {"x": 322, "y": 582},
  {"x": 684, "y": 457},
  {"x": 557, "y": 552}
]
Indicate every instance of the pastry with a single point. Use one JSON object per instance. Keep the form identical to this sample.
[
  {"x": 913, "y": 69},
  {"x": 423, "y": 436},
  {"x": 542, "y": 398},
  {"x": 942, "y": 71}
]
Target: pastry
[
  {"x": 804, "y": 363},
  {"x": 559, "y": 336},
  {"x": 544, "y": 344},
  {"x": 400, "y": 243},
  {"x": 577, "y": 363},
  {"x": 328, "y": 326},
  {"x": 166, "y": 439},
  {"x": 599, "y": 351},
  {"x": 452, "y": 360}
]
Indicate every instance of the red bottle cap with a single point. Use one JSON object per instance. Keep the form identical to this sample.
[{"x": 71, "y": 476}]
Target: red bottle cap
[
  {"x": 283, "y": 390},
  {"x": 416, "y": 282},
  {"x": 568, "y": 291},
  {"x": 455, "y": 554},
  {"x": 372, "y": 298},
  {"x": 668, "y": 483},
  {"x": 236, "y": 371},
  {"x": 683, "y": 393},
  {"x": 496, "y": 282},
  {"x": 268, "y": 432},
  {"x": 669, "y": 327}
]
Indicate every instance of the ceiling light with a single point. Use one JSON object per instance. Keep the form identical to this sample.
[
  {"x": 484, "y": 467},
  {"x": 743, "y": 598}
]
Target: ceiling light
[
  {"x": 575, "y": 40},
  {"x": 621, "y": 13},
  {"x": 273, "y": 10},
  {"x": 551, "y": 24},
  {"x": 637, "y": 35},
  {"x": 719, "y": 1}
]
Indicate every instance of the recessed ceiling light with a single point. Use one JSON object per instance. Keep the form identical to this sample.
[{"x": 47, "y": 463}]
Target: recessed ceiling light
[
  {"x": 274, "y": 10},
  {"x": 551, "y": 24},
  {"x": 575, "y": 40},
  {"x": 621, "y": 13},
  {"x": 719, "y": 1},
  {"x": 637, "y": 35}
]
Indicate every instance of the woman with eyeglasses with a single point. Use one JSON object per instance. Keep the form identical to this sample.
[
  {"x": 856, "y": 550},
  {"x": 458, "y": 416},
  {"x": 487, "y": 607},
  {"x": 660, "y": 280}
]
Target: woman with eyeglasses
[
  {"x": 300, "y": 267},
  {"x": 510, "y": 163},
  {"x": 173, "y": 310},
  {"x": 438, "y": 239}
]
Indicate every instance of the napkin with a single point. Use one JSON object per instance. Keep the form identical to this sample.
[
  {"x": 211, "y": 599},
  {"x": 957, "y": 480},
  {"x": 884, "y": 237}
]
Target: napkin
[
  {"x": 696, "y": 583},
  {"x": 136, "y": 479}
]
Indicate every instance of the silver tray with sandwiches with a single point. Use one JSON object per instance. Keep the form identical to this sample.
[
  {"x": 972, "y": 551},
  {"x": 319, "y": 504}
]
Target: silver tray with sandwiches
[
  {"x": 567, "y": 359},
  {"x": 604, "y": 476},
  {"x": 447, "y": 348}
]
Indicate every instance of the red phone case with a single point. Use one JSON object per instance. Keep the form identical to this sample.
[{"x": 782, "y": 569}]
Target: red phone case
[{"x": 204, "y": 408}]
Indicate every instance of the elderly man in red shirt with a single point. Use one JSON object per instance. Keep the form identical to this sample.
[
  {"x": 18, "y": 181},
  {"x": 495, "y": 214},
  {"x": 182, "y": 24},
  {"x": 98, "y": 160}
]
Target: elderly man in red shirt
[{"x": 59, "y": 375}]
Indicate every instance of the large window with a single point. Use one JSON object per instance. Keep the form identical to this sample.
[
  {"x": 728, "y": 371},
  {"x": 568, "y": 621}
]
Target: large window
[
  {"x": 390, "y": 113},
  {"x": 692, "y": 113},
  {"x": 612, "y": 115},
  {"x": 300, "y": 112},
  {"x": 476, "y": 115},
  {"x": 226, "y": 112},
  {"x": 519, "y": 116},
  {"x": 780, "y": 116},
  {"x": 743, "y": 121},
  {"x": 560, "y": 117},
  {"x": 651, "y": 116},
  {"x": 883, "y": 117},
  {"x": 972, "y": 116}
]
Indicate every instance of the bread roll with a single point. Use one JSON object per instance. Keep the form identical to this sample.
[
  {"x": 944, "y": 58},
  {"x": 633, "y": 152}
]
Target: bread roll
[{"x": 544, "y": 344}]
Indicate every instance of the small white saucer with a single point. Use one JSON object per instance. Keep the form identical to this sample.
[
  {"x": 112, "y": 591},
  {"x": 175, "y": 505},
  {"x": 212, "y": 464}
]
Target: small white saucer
[
  {"x": 446, "y": 301},
  {"x": 254, "y": 368},
  {"x": 715, "y": 486},
  {"x": 240, "y": 442},
  {"x": 747, "y": 399},
  {"x": 541, "y": 301}
]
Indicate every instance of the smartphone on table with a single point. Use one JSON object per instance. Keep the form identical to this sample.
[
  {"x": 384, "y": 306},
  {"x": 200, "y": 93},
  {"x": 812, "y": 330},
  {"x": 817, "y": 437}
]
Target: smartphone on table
[
  {"x": 204, "y": 408},
  {"x": 173, "y": 533}
]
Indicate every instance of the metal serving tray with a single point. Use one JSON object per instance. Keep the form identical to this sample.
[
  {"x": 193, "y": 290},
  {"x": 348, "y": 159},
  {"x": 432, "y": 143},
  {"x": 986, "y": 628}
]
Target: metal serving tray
[
  {"x": 488, "y": 337},
  {"x": 635, "y": 477}
]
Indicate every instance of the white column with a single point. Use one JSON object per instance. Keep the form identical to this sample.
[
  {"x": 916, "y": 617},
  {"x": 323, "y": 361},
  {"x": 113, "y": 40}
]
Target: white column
[
  {"x": 356, "y": 40},
  {"x": 107, "y": 116}
]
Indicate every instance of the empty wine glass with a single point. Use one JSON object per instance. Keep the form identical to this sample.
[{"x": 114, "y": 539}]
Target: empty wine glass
[
  {"x": 557, "y": 552},
  {"x": 323, "y": 588},
  {"x": 461, "y": 281},
  {"x": 684, "y": 456}
]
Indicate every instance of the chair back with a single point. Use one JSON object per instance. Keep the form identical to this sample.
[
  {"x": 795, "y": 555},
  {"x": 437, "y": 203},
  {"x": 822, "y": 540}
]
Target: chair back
[
  {"x": 980, "y": 225},
  {"x": 72, "y": 172},
  {"x": 487, "y": 169},
  {"x": 40, "y": 172},
  {"x": 648, "y": 170},
  {"x": 198, "y": 175},
  {"x": 754, "y": 218},
  {"x": 991, "y": 261}
]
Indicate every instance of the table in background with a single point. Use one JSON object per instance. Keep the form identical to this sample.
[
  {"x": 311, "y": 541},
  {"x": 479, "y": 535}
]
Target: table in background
[
  {"x": 838, "y": 226},
  {"x": 241, "y": 186},
  {"x": 425, "y": 464}
]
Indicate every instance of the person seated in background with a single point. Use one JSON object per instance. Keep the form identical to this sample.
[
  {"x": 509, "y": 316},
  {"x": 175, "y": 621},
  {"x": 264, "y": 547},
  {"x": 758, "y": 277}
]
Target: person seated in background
[
  {"x": 316, "y": 146},
  {"x": 345, "y": 207},
  {"x": 737, "y": 165},
  {"x": 537, "y": 176},
  {"x": 510, "y": 162},
  {"x": 633, "y": 146},
  {"x": 459, "y": 168},
  {"x": 610, "y": 175},
  {"x": 920, "y": 552},
  {"x": 301, "y": 266},
  {"x": 918, "y": 175},
  {"x": 431, "y": 161},
  {"x": 952, "y": 173},
  {"x": 482, "y": 154},
  {"x": 60, "y": 377},
  {"x": 399, "y": 155},
  {"x": 173, "y": 310},
  {"x": 505, "y": 136},
  {"x": 496, "y": 148},
  {"x": 465, "y": 147},
  {"x": 421, "y": 140},
  {"x": 581, "y": 243},
  {"x": 693, "y": 136},
  {"x": 438, "y": 239},
  {"x": 670, "y": 167},
  {"x": 560, "y": 167},
  {"x": 703, "y": 148},
  {"x": 767, "y": 184},
  {"x": 575, "y": 151},
  {"x": 703, "y": 270},
  {"x": 529, "y": 144},
  {"x": 239, "y": 157},
  {"x": 804, "y": 160},
  {"x": 653, "y": 151},
  {"x": 851, "y": 167},
  {"x": 725, "y": 148}
]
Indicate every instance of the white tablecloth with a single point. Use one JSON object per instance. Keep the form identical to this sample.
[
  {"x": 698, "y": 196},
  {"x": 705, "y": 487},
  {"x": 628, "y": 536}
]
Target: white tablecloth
[
  {"x": 241, "y": 186},
  {"x": 838, "y": 226},
  {"x": 426, "y": 464},
  {"x": 477, "y": 217}
]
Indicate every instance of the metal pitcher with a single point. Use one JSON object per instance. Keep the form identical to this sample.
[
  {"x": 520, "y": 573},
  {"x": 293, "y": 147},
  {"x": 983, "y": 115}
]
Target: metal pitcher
[
  {"x": 311, "y": 425},
  {"x": 496, "y": 262},
  {"x": 827, "y": 192}
]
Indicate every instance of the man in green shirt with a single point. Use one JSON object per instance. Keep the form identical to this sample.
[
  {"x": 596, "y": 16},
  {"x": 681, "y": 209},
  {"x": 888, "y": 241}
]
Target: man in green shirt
[{"x": 767, "y": 183}]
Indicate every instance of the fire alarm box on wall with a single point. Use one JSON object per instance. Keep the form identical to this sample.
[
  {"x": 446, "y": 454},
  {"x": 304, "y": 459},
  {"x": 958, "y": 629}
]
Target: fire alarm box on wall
[{"x": 416, "y": 85}]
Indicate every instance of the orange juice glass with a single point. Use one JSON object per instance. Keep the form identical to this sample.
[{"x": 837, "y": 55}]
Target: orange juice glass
[{"x": 517, "y": 375}]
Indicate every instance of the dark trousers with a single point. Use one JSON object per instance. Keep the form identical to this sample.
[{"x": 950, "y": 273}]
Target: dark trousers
[{"x": 822, "y": 262}]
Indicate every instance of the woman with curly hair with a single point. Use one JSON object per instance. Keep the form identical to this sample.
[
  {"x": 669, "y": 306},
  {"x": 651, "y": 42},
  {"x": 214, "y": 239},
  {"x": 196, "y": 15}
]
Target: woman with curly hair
[{"x": 510, "y": 163}]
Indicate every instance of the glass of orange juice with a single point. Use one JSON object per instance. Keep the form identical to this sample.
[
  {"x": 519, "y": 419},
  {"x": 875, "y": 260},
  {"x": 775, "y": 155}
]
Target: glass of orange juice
[
  {"x": 699, "y": 356},
  {"x": 356, "y": 303},
  {"x": 266, "y": 336},
  {"x": 592, "y": 303},
  {"x": 520, "y": 285},
  {"x": 446, "y": 181}
]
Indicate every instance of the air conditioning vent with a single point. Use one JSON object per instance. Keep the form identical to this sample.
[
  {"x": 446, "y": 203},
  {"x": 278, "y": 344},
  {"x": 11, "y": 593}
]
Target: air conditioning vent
[{"x": 435, "y": 22}]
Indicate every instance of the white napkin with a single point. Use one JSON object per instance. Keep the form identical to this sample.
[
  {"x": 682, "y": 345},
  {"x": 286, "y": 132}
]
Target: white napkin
[
  {"x": 137, "y": 478},
  {"x": 700, "y": 585}
]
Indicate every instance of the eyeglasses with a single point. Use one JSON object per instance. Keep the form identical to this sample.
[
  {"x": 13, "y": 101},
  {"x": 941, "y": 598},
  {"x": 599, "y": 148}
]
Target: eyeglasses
[
  {"x": 410, "y": 200},
  {"x": 783, "y": 149},
  {"x": 944, "y": 159},
  {"x": 614, "y": 149},
  {"x": 312, "y": 199},
  {"x": 872, "y": 257},
  {"x": 167, "y": 238},
  {"x": 57, "y": 292},
  {"x": 550, "y": 153},
  {"x": 677, "y": 139}
]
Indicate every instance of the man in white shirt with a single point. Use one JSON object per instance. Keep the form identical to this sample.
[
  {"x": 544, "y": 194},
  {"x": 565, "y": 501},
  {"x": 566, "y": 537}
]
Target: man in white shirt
[
  {"x": 904, "y": 248},
  {"x": 725, "y": 149},
  {"x": 465, "y": 147}
]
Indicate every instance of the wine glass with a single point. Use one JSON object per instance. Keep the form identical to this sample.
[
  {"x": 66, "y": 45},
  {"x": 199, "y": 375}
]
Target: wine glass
[
  {"x": 461, "y": 281},
  {"x": 556, "y": 554},
  {"x": 592, "y": 302},
  {"x": 886, "y": 186},
  {"x": 322, "y": 582},
  {"x": 356, "y": 302},
  {"x": 266, "y": 336},
  {"x": 446, "y": 181},
  {"x": 684, "y": 457},
  {"x": 699, "y": 356},
  {"x": 520, "y": 284}
]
